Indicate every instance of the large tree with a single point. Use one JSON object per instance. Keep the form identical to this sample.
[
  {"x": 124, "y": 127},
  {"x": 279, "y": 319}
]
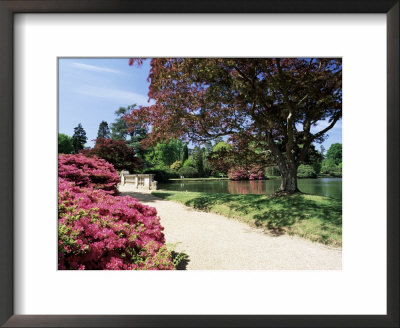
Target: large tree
[
  {"x": 119, "y": 129},
  {"x": 272, "y": 104},
  {"x": 79, "y": 138}
]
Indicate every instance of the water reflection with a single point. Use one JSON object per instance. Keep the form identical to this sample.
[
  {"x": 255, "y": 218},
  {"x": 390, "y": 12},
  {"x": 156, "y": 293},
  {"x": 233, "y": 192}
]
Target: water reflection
[{"x": 330, "y": 187}]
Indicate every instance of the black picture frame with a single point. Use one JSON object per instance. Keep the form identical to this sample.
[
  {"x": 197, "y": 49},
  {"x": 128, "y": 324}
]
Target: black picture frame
[{"x": 10, "y": 7}]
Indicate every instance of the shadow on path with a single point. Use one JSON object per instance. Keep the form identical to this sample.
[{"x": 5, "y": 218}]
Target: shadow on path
[{"x": 141, "y": 197}]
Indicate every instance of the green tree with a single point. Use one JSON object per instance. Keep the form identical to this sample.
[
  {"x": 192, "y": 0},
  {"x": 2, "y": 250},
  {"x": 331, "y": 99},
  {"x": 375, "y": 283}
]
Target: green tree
[
  {"x": 207, "y": 150},
  {"x": 163, "y": 154},
  {"x": 185, "y": 153},
  {"x": 197, "y": 155},
  {"x": 65, "y": 145},
  {"x": 219, "y": 160},
  {"x": 188, "y": 172},
  {"x": 131, "y": 134},
  {"x": 306, "y": 171},
  {"x": 334, "y": 153},
  {"x": 137, "y": 134},
  {"x": 79, "y": 138},
  {"x": 119, "y": 129},
  {"x": 322, "y": 151},
  {"x": 104, "y": 130}
]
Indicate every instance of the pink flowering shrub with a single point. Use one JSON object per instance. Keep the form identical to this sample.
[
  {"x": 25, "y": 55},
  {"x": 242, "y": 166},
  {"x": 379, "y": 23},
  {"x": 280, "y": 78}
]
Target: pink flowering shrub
[
  {"x": 98, "y": 231},
  {"x": 257, "y": 173},
  {"x": 238, "y": 173},
  {"x": 88, "y": 172},
  {"x": 243, "y": 173}
]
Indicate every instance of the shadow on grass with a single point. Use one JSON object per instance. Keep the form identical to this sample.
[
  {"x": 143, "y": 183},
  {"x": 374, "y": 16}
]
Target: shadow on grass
[{"x": 274, "y": 212}]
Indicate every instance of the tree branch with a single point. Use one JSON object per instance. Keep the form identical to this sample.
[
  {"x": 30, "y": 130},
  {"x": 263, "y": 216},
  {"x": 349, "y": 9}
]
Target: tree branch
[{"x": 330, "y": 126}]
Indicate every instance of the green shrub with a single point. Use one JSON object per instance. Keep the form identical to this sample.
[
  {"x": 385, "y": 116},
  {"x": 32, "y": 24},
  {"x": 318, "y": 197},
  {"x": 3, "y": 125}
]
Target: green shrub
[
  {"x": 306, "y": 171},
  {"x": 162, "y": 175},
  {"x": 329, "y": 167},
  {"x": 65, "y": 145},
  {"x": 188, "y": 172},
  {"x": 189, "y": 162},
  {"x": 176, "y": 165}
]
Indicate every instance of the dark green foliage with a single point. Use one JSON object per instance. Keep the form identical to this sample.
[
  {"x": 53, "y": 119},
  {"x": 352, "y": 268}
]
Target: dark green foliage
[
  {"x": 185, "y": 153},
  {"x": 335, "y": 153},
  {"x": 317, "y": 167},
  {"x": 65, "y": 145},
  {"x": 272, "y": 171},
  {"x": 119, "y": 129},
  {"x": 162, "y": 175},
  {"x": 197, "y": 155},
  {"x": 136, "y": 136},
  {"x": 188, "y": 172},
  {"x": 306, "y": 171},
  {"x": 79, "y": 138},
  {"x": 332, "y": 165},
  {"x": 218, "y": 158},
  {"x": 164, "y": 154},
  {"x": 104, "y": 130}
]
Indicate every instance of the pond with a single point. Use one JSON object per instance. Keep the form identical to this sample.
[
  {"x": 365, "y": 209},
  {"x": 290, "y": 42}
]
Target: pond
[{"x": 330, "y": 187}]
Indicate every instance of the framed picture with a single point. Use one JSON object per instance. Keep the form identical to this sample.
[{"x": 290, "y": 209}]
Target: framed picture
[{"x": 47, "y": 44}]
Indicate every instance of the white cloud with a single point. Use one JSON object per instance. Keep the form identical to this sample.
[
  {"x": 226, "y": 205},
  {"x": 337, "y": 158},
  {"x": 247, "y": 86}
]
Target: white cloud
[
  {"x": 120, "y": 96},
  {"x": 94, "y": 68}
]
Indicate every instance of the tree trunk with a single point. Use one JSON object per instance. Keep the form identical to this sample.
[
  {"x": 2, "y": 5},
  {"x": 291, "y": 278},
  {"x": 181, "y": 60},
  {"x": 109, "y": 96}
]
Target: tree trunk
[{"x": 289, "y": 179}]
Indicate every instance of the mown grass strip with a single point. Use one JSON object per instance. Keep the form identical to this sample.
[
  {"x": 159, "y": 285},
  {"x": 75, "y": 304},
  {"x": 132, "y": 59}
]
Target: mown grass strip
[{"x": 309, "y": 216}]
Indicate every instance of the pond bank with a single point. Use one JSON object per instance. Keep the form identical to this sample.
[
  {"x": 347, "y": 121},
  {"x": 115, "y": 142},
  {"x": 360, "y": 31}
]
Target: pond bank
[{"x": 329, "y": 187}]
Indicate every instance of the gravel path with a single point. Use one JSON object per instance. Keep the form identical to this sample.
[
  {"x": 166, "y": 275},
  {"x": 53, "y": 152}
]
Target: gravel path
[{"x": 214, "y": 242}]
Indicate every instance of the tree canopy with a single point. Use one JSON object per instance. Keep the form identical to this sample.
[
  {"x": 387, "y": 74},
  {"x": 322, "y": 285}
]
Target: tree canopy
[
  {"x": 334, "y": 153},
  {"x": 65, "y": 145},
  {"x": 104, "y": 130},
  {"x": 272, "y": 104}
]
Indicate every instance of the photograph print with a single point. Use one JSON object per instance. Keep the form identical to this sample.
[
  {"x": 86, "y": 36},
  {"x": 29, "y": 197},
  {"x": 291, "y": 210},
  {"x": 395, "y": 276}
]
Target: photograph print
[{"x": 199, "y": 163}]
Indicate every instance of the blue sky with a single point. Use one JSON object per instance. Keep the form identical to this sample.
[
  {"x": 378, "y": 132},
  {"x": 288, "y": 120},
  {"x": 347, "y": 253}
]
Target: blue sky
[{"x": 91, "y": 90}]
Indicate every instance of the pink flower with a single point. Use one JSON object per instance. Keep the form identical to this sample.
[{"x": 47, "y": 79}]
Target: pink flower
[{"x": 100, "y": 231}]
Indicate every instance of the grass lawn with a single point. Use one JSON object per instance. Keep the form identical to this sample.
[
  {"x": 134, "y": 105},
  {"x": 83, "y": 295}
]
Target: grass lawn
[{"x": 313, "y": 217}]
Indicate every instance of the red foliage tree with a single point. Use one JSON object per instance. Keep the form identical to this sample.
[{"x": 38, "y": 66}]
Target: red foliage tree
[
  {"x": 270, "y": 103},
  {"x": 115, "y": 152}
]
